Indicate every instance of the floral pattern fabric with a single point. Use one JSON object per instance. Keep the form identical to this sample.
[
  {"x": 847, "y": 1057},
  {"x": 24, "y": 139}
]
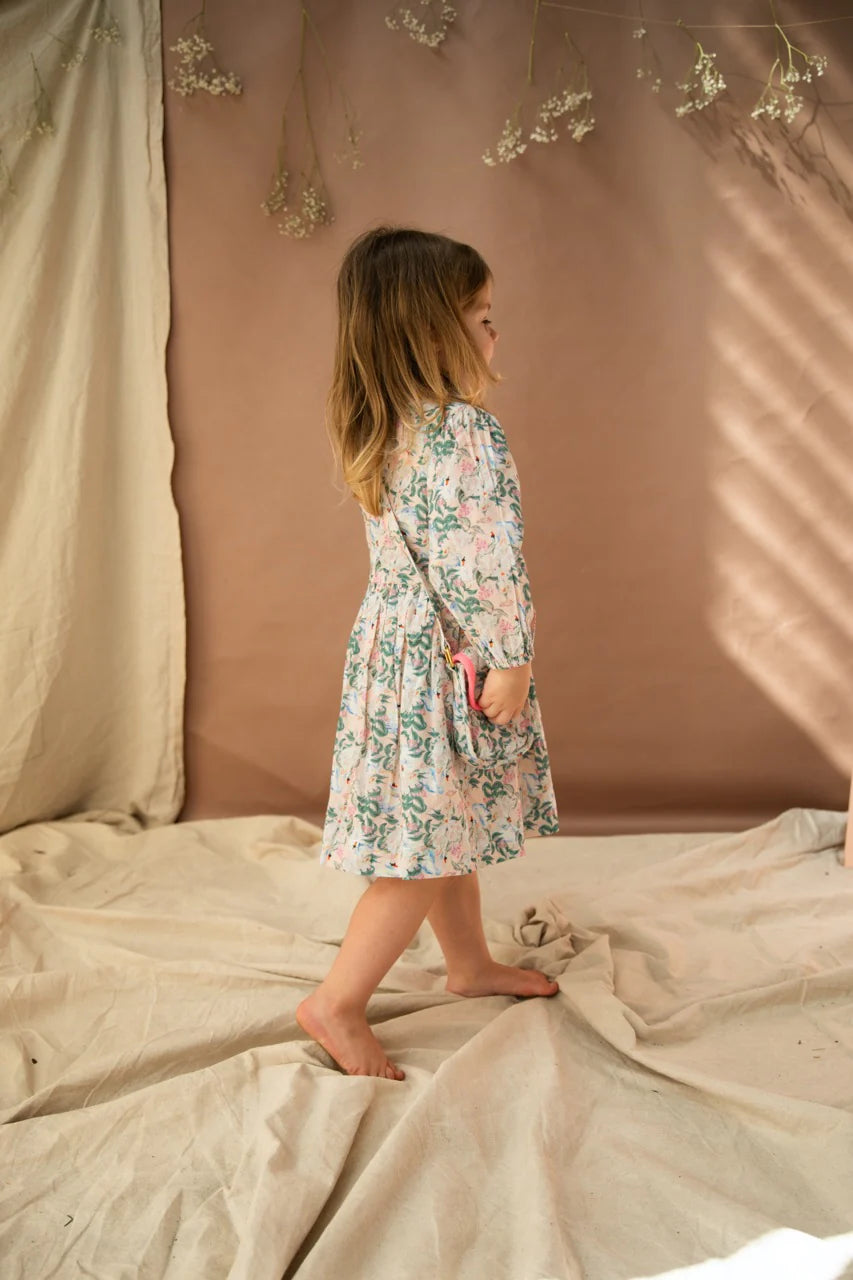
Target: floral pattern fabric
[{"x": 401, "y": 802}]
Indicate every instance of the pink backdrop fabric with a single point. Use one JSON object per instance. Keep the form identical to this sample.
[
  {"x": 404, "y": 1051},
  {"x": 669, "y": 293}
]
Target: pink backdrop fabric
[{"x": 672, "y": 299}]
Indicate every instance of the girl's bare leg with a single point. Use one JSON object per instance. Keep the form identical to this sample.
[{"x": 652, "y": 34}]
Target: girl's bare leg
[
  {"x": 383, "y": 923},
  {"x": 456, "y": 920}
]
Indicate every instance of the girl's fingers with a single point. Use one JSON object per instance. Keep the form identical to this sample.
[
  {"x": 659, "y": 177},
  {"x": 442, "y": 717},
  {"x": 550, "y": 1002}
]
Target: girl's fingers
[{"x": 498, "y": 716}]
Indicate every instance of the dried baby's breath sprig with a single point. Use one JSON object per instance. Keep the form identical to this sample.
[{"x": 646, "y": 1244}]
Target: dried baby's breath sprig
[
  {"x": 312, "y": 212},
  {"x": 192, "y": 51},
  {"x": 704, "y": 83},
  {"x": 646, "y": 72},
  {"x": 566, "y": 101},
  {"x": 440, "y": 13},
  {"x": 351, "y": 154},
  {"x": 573, "y": 100},
  {"x": 106, "y": 30},
  {"x": 40, "y": 121},
  {"x": 73, "y": 58},
  {"x": 6, "y": 175},
  {"x": 776, "y": 101},
  {"x": 306, "y": 207},
  {"x": 277, "y": 195},
  {"x": 509, "y": 145}
]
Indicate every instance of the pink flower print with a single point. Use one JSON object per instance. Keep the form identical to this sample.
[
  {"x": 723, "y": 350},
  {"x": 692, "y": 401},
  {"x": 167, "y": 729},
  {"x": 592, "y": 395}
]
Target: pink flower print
[
  {"x": 486, "y": 591},
  {"x": 467, "y": 465},
  {"x": 464, "y": 510},
  {"x": 481, "y": 543}
]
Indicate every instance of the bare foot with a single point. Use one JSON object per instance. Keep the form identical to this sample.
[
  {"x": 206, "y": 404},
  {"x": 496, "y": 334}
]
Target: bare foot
[
  {"x": 346, "y": 1037},
  {"x": 504, "y": 980}
]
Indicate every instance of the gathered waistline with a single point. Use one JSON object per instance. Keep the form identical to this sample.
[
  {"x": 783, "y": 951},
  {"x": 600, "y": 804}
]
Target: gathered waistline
[{"x": 378, "y": 584}]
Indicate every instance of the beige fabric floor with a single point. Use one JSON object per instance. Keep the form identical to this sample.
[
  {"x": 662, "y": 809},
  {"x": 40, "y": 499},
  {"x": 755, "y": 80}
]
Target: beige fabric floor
[{"x": 687, "y": 1096}]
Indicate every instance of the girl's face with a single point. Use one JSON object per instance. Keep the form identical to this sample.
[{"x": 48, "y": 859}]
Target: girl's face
[{"x": 478, "y": 322}]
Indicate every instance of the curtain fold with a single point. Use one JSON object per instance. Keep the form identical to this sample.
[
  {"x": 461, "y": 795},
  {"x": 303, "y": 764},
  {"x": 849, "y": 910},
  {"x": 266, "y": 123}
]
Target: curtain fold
[{"x": 92, "y": 621}]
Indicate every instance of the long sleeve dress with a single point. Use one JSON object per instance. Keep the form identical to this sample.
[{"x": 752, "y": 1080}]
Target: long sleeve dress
[{"x": 401, "y": 802}]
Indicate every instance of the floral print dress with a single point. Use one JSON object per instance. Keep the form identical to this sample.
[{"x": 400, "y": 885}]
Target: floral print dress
[{"x": 401, "y": 802}]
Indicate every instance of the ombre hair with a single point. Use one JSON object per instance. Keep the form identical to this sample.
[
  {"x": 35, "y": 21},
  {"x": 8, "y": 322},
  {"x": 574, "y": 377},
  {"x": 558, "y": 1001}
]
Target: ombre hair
[{"x": 401, "y": 341}]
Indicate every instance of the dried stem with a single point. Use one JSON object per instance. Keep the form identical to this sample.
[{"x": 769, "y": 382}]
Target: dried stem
[{"x": 536, "y": 4}]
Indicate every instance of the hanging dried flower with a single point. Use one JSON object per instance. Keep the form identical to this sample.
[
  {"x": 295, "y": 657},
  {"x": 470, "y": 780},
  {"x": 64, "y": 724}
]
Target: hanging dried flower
[
  {"x": 509, "y": 145},
  {"x": 73, "y": 58},
  {"x": 40, "y": 122},
  {"x": 417, "y": 29},
  {"x": 544, "y": 129},
  {"x": 106, "y": 29},
  {"x": 277, "y": 195},
  {"x": 312, "y": 213},
  {"x": 775, "y": 102},
  {"x": 351, "y": 154},
  {"x": 566, "y": 101},
  {"x": 704, "y": 83},
  {"x": 7, "y": 177},
  {"x": 645, "y": 72},
  {"x": 192, "y": 51},
  {"x": 306, "y": 208}
]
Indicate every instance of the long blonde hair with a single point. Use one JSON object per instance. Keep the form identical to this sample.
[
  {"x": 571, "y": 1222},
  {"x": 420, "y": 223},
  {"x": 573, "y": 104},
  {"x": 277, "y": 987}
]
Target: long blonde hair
[{"x": 401, "y": 294}]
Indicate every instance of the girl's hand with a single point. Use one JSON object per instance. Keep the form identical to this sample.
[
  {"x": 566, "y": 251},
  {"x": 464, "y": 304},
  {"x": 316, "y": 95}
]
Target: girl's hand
[{"x": 505, "y": 692}]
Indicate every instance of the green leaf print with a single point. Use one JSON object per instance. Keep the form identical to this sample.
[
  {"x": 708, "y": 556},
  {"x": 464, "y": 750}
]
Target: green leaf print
[
  {"x": 446, "y": 524},
  {"x": 443, "y": 446}
]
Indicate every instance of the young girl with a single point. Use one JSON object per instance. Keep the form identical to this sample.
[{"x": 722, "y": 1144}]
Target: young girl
[{"x": 434, "y": 477}]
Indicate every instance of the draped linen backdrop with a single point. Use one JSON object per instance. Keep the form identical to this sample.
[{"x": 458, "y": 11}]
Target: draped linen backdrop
[{"x": 92, "y": 634}]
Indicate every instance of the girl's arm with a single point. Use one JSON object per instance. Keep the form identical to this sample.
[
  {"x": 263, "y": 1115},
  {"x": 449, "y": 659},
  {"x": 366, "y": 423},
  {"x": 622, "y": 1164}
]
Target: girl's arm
[{"x": 475, "y": 532}]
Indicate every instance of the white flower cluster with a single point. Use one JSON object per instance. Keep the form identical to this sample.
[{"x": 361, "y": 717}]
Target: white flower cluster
[
  {"x": 704, "y": 84},
  {"x": 567, "y": 102},
  {"x": 311, "y": 214},
  {"x": 43, "y": 127},
  {"x": 193, "y": 50},
  {"x": 7, "y": 177},
  {"x": 110, "y": 34},
  {"x": 40, "y": 120},
  {"x": 73, "y": 59},
  {"x": 544, "y": 129},
  {"x": 509, "y": 145},
  {"x": 774, "y": 103},
  {"x": 643, "y": 72},
  {"x": 646, "y": 72},
  {"x": 277, "y": 198},
  {"x": 417, "y": 29},
  {"x": 352, "y": 152}
]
